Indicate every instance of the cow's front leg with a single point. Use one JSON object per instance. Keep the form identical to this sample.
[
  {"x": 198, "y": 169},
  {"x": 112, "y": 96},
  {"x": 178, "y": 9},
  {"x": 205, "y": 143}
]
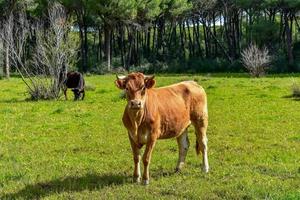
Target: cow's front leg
[
  {"x": 147, "y": 158},
  {"x": 83, "y": 94},
  {"x": 136, "y": 158}
]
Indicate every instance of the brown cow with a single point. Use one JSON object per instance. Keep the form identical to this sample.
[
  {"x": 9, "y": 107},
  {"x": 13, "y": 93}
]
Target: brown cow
[{"x": 161, "y": 113}]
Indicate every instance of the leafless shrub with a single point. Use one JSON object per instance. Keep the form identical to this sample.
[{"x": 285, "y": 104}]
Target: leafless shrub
[
  {"x": 45, "y": 71},
  {"x": 119, "y": 70},
  {"x": 14, "y": 34},
  {"x": 89, "y": 87},
  {"x": 6, "y": 31},
  {"x": 53, "y": 53},
  {"x": 256, "y": 60}
]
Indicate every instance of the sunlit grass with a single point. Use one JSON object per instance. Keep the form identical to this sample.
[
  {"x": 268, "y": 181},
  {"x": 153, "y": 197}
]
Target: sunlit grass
[{"x": 80, "y": 150}]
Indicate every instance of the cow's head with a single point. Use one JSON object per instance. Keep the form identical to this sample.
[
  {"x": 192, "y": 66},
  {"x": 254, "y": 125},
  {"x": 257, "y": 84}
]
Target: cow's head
[
  {"x": 77, "y": 94},
  {"x": 135, "y": 86}
]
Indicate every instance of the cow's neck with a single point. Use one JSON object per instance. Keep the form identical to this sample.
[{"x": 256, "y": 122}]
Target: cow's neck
[{"x": 136, "y": 117}]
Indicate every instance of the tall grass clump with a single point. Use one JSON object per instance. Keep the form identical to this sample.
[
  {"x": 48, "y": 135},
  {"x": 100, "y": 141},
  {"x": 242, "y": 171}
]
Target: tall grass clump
[{"x": 296, "y": 90}]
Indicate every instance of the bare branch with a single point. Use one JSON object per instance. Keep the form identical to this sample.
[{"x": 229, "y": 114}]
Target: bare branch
[
  {"x": 53, "y": 53},
  {"x": 43, "y": 72},
  {"x": 256, "y": 60}
]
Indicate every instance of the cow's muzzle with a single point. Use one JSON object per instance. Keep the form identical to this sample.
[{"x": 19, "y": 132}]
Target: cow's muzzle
[{"x": 135, "y": 104}]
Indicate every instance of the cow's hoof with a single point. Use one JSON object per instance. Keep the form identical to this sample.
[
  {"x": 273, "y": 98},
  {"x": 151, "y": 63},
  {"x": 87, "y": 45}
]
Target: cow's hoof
[
  {"x": 177, "y": 170},
  {"x": 136, "y": 179},
  {"x": 205, "y": 169},
  {"x": 145, "y": 182}
]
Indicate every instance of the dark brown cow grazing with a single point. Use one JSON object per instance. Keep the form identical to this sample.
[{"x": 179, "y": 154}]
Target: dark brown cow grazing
[
  {"x": 160, "y": 113},
  {"x": 75, "y": 81}
]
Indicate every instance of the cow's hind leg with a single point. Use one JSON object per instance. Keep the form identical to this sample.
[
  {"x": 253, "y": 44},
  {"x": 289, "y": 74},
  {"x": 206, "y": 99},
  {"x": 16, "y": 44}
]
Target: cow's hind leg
[
  {"x": 201, "y": 140},
  {"x": 183, "y": 145}
]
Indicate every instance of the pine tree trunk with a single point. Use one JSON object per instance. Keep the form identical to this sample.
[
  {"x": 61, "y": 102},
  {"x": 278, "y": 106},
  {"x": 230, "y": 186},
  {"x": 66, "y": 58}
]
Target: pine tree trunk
[
  {"x": 81, "y": 56},
  {"x": 99, "y": 49},
  {"x": 121, "y": 45},
  {"x": 7, "y": 63},
  {"x": 182, "y": 40},
  {"x": 129, "y": 54},
  {"x": 137, "y": 50},
  {"x": 191, "y": 47},
  {"x": 154, "y": 39},
  {"x": 163, "y": 41},
  {"x": 205, "y": 40},
  {"x": 199, "y": 38},
  {"x": 148, "y": 42},
  {"x": 215, "y": 35},
  {"x": 86, "y": 48},
  {"x": 107, "y": 38},
  {"x": 289, "y": 39}
]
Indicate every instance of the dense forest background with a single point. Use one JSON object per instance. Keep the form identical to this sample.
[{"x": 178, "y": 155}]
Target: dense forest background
[{"x": 160, "y": 35}]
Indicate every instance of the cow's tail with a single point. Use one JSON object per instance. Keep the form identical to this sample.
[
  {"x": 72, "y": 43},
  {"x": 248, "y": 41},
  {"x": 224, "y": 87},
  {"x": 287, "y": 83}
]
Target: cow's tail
[{"x": 200, "y": 130}]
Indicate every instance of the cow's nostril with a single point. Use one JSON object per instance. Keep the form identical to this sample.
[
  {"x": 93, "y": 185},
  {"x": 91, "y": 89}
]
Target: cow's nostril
[{"x": 136, "y": 104}]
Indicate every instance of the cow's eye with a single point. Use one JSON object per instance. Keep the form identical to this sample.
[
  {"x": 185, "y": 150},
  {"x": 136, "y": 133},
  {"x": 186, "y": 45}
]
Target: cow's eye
[{"x": 126, "y": 88}]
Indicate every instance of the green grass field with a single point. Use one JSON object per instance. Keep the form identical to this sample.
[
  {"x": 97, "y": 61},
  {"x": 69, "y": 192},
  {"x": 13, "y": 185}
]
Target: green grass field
[{"x": 80, "y": 150}]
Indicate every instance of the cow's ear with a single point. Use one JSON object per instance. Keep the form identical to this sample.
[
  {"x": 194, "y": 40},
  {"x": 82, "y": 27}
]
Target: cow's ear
[
  {"x": 149, "y": 82},
  {"x": 120, "y": 84}
]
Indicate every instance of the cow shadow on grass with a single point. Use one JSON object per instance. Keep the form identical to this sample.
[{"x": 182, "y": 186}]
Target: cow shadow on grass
[
  {"x": 295, "y": 98},
  {"x": 68, "y": 184}
]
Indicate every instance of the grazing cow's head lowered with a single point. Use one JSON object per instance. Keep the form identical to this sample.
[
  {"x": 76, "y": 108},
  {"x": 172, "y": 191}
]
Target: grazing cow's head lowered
[
  {"x": 77, "y": 93},
  {"x": 135, "y": 86}
]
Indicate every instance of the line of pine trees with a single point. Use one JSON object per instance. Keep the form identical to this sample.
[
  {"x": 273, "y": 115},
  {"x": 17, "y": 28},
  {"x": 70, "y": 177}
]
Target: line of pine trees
[{"x": 173, "y": 35}]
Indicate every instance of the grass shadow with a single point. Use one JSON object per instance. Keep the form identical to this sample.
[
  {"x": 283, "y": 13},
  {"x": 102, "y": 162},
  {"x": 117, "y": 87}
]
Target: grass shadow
[
  {"x": 164, "y": 172},
  {"x": 293, "y": 97},
  {"x": 65, "y": 184},
  {"x": 13, "y": 100}
]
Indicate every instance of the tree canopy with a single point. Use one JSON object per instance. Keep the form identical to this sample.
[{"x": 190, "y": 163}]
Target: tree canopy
[{"x": 173, "y": 35}]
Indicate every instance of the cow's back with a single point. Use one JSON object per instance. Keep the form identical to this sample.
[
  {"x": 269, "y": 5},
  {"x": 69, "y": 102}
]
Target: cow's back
[
  {"x": 73, "y": 79},
  {"x": 189, "y": 93},
  {"x": 177, "y": 104}
]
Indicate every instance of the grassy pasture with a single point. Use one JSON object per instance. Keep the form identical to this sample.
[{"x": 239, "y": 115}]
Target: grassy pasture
[{"x": 80, "y": 150}]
